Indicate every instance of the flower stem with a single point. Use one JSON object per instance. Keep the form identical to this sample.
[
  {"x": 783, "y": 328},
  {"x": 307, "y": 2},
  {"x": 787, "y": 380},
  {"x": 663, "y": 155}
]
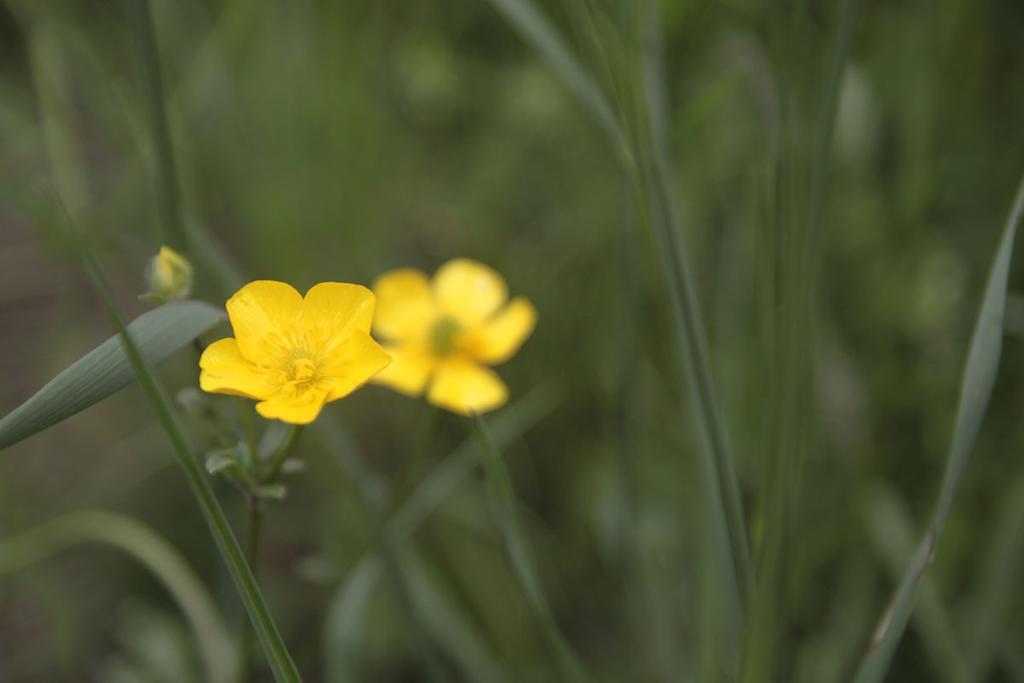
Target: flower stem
[
  {"x": 279, "y": 458},
  {"x": 277, "y": 654},
  {"x": 499, "y": 484},
  {"x": 253, "y": 527}
]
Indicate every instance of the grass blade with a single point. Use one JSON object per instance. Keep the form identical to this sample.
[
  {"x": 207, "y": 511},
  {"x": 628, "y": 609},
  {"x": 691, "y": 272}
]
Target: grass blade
[
  {"x": 168, "y": 191},
  {"x": 535, "y": 28},
  {"x": 891, "y": 531},
  {"x": 1000, "y": 574},
  {"x": 975, "y": 391},
  {"x": 347, "y": 608},
  {"x": 150, "y": 549},
  {"x": 277, "y": 654},
  {"x": 107, "y": 368},
  {"x": 502, "y": 494}
]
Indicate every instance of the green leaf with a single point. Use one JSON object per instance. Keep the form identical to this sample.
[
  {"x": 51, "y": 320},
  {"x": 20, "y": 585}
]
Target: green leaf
[
  {"x": 147, "y": 547},
  {"x": 975, "y": 391},
  {"x": 106, "y": 369},
  {"x": 271, "y": 491}
]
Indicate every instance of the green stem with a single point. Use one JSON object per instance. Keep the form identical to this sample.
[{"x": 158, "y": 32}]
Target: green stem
[
  {"x": 168, "y": 192},
  {"x": 278, "y": 460},
  {"x": 280, "y": 660},
  {"x": 253, "y": 528},
  {"x": 499, "y": 483}
]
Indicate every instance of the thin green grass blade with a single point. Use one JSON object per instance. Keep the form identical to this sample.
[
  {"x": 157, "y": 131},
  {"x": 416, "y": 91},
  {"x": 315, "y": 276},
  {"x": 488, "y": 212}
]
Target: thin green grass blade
[
  {"x": 502, "y": 494},
  {"x": 347, "y": 609},
  {"x": 168, "y": 191},
  {"x": 891, "y": 532},
  {"x": 345, "y": 622},
  {"x": 990, "y": 613},
  {"x": 107, "y": 369},
  {"x": 975, "y": 391},
  {"x": 535, "y": 28},
  {"x": 446, "y": 622},
  {"x": 148, "y": 548},
  {"x": 277, "y": 654},
  {"x": 346, "y": 616}
]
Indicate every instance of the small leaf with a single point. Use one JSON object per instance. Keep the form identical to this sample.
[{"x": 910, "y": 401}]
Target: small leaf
[
  {"x": 293, "y": 466},
  {"x": 271, "y": 491},
  {"x": 106, "y": 369},
  {"x": 220, "y": 461},
  {"x": 273, "y": 439}
]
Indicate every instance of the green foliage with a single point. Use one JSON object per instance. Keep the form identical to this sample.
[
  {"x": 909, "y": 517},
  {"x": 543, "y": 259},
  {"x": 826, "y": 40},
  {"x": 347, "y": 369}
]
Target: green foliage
[
  {"x": 755, "y": 232},
  {"x": 106, "y": 369}
]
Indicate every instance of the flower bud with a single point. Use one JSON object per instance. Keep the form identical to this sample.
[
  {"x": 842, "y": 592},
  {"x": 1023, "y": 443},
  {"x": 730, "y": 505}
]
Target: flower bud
[{"x": 169, "y": 275}]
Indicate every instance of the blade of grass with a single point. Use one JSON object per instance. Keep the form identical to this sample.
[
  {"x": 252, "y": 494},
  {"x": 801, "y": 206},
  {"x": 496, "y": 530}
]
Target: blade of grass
[
  {"x": 148, "y": 548},
  {"x": 280, "y": 660},
  {"x": 374, "y": 497},
  {"x": 347, "y": 608},
  {"x": 798, "y": 230},
  {"x": 502, "y": 496},
  {"x": 989, "y": 617},
  {"x": 168, "y": 192},
  {"x": 107, "y": 368},
  {"x": 975, "y": 391},
  {"x": 537, "y": 30},
  {"x": 891, "y": 531}
]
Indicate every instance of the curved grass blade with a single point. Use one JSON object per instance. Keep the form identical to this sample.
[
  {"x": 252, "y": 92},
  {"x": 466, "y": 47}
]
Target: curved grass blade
[
  {"x": 278, "y": 657},
  {"x": 150, "y": 549},
  {"x": 107, "y": 369},
  {"x": 975, "y": 391},
  {"x": 348, "y": 606},
  {"x": 536, "y": 29},
  {"x": 891, "y": 532},
  {"x": 343, "y": 624},
  {"x": 502, "y": 493},
  {"x": 991, "y": 613}
]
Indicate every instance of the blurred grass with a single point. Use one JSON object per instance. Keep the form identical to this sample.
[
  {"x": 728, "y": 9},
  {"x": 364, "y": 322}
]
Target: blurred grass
[{"x": 321, "y": 140}]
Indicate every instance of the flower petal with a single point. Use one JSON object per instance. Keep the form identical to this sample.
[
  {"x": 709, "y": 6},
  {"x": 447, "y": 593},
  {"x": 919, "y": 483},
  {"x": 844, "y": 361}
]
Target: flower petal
[
  {"x": 223, "y": 370},
  {"x": 468, "y": 291},
  {"x": 463, "y": 386},
  {"x": 356, "y": 361},
  {"x": 496, "y": 340},
  {"x": 405, "y": 304},
  {"x": 331, "y": 310},
  {"x": 262, "y": 313},
  {"x": 411, "y": 367},
  {"x": 287, "y": 408}
]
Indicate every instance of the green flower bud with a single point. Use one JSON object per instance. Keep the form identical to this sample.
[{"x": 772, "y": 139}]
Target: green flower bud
[{"x": 169, "y": 276}]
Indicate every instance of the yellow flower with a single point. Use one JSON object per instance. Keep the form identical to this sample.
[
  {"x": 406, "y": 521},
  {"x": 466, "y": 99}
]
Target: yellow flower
[
  {"x": 446, "y": 332},
  {"x": 169, "y": 275},
  {"x": 294, "y": 354}
]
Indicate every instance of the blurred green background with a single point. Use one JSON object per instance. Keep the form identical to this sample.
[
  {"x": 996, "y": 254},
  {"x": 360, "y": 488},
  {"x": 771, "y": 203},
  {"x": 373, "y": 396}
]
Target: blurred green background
[{"x": 318, "y": 140}]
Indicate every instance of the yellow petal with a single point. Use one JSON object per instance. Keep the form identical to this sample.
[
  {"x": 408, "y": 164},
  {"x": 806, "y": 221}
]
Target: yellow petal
[
  {"x": 468, "y": 291},
  {"x": 287, "y": 408},
  {"x": 405, "y": 304},
  {"x": 263, "y": 314},
  {"x": 411, "y": 366},
  {"x": 357, "y": 360},
  {"x": 331, "y": 310},
  {"x": 496, "y": 340},
  {"x": 463, "y": 386},
  {"x": 225, "y": 371}
]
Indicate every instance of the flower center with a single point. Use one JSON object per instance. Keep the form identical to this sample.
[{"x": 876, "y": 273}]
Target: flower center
[
  {"x": 303, "y": 370},
  {"x": 442, "y": 336},
  {"x": 301, "y": 374}
]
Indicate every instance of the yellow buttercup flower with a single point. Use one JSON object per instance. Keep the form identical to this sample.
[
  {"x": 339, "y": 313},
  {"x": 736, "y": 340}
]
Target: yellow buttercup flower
[
  {"x": 444, "y": 333},
  {"x": 292, "y": 353}
]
